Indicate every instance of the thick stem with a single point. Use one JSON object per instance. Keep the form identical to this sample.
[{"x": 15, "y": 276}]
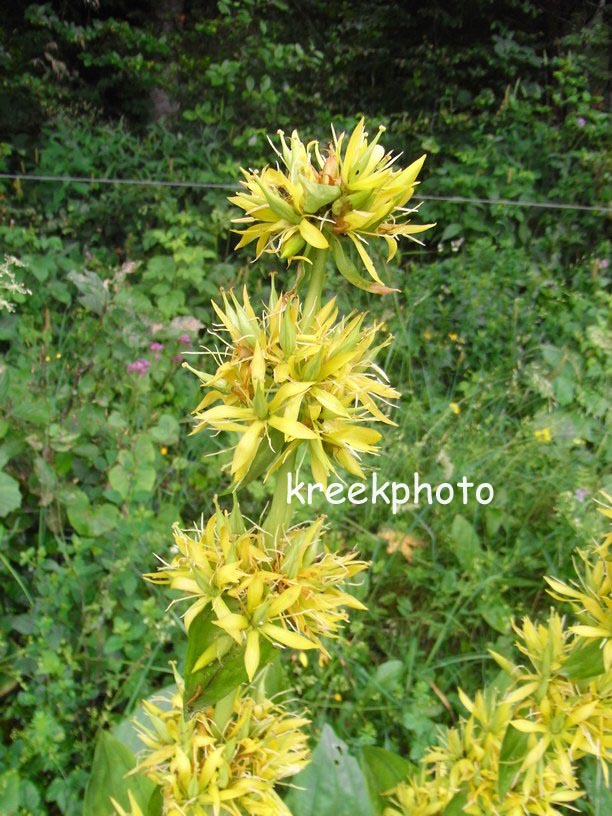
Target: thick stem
[
  {"x": 279, "y": 515},
  {"x": 312, "y": 301}
]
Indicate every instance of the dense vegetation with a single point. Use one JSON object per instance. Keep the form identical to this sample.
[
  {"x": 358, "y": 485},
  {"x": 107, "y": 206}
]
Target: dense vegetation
[{"x": 502, "y": 348}]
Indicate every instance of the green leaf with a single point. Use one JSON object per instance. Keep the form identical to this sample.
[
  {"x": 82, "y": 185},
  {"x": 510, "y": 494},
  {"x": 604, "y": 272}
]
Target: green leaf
[
  {"x": 452, "y": 231},
  {"x": 456, "y": 804},
  {"x": 513, "y": 752},
  {"x": 497, "y": 614},
  {"x": 166, "y": 432},
  {"x": 584, "y": 662},
  {"x": 10, "y": 495},
  {"x": 119, "y": 480},
  {"x": 599, "y": 794},
  {"x": 93, "y": 296},
  {"x": 465, "y": 537},
  {"x": 383, "y": 771},
  {"x": 332, "y": 785},
  {"x": 112, "y": 761},
  {"x": 144, "y": 479},
  {"x": 208, "y": 685},
  {"x": 89, "y": 520},
  {"x": 144, "y": 450},
  {"x": 9, "y": 792},
  {"x": 389, "y": 674}
]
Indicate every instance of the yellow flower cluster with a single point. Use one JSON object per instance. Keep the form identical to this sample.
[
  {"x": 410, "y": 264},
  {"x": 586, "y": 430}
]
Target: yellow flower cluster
[
  {"x": 516, "y": 753},
  {"x": 283, "y": 384},
  {"x": 334, "y": 198},
  {"x": 290, "y": 596},
  {"x": 592, "y": 598},
  {"x": 221, "y": 762}
]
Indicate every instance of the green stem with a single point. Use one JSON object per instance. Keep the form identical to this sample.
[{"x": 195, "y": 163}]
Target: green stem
[
  {"x": 279, "y": 515},
  {"x": 312, "y": 301}
]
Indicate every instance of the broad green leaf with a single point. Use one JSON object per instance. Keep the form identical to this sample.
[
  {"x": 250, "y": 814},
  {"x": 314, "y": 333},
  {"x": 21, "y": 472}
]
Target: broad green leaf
[
  {"x": 599, "y": 794},
  {"x": 112, "y": 761},
  {"x": 144, "y": 450},
  {"x": 584, "y": 662},
  {"x": 383, "y": 771},
  {"x": 497, "y": 614},
  {"x": 513, "y": 752},
  {"x": 466, "y": 542},
  {"x": 119, "y": 480},
  {"x": 452, "y": 231},
  {"x": 144, "y": 479},
  {"x": 89, "y": 520},
  {"x": 389, "y": 673},
  {"x": 456, "y": 804},
  {"x": 9, "y": 792},
  {"x": 35, "y": 412},
  {"x": 332, "y": 785},
  {"x": 93, "y": 296},
  {"x": 10, "y": 495},
  {"x": 166, "y": 432},
  {"x": 208, "y": 685}
]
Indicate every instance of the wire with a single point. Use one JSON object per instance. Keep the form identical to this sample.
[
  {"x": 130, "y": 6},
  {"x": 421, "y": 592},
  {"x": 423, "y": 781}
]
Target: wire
[
  {"x": 135, "y": 182},
  {"x": 507, "y": 202}
]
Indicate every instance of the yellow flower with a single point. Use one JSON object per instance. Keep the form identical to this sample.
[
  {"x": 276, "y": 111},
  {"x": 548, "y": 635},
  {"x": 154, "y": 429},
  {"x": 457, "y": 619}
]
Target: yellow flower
[
  {"x": 291, "y": 597},
  {"x": 455, "y": 408},
  {"x": 592, "y": 601},
  {"x": 334, "y": 199},
  {"x": 282, "y": 385},
  {"x": 224, "y": 761},
  {"x": 163, "y": 450},
  {"x": 543, "y": 435}
]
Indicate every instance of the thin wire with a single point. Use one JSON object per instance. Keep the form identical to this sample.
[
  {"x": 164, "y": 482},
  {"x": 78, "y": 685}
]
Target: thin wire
[
  {"x": 136, "y": 182},
  {"x": 507, "y": 202}
]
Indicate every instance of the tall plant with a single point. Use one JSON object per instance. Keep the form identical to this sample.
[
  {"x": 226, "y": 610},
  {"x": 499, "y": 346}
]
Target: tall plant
[{"x": 300, "y": 387}]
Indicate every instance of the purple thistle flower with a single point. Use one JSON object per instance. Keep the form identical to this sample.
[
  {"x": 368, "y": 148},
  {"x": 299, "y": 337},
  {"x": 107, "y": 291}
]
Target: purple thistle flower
[
  {"x": 178, "y": 358},
  {"x": 603, "y": 263},
  {"x": 156, "y": 347},
  {"x": 581, "y": 121},
  {"x": 184, "y": 340},
  {"x": 140, "y": 366}
]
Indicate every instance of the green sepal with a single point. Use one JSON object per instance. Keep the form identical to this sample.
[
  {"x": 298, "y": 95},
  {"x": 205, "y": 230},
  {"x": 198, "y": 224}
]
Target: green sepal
[
  {"x": 348, "y": 270},
  {"x": 318, "y": 195},
  {"x": 279, "y": 206},
  {"x": 268, "y": 452}
]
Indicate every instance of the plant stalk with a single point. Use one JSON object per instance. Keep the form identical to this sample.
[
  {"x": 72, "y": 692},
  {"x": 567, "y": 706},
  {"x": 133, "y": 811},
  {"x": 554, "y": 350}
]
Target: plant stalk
[
  {"x": 280, "y": 513},
  {"x": 312, "y": 301}
]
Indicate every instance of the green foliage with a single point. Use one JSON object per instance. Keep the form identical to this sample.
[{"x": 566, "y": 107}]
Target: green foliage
[
  {"x": 112, "y": 761},
  {"x": 333, "y": 783}
]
